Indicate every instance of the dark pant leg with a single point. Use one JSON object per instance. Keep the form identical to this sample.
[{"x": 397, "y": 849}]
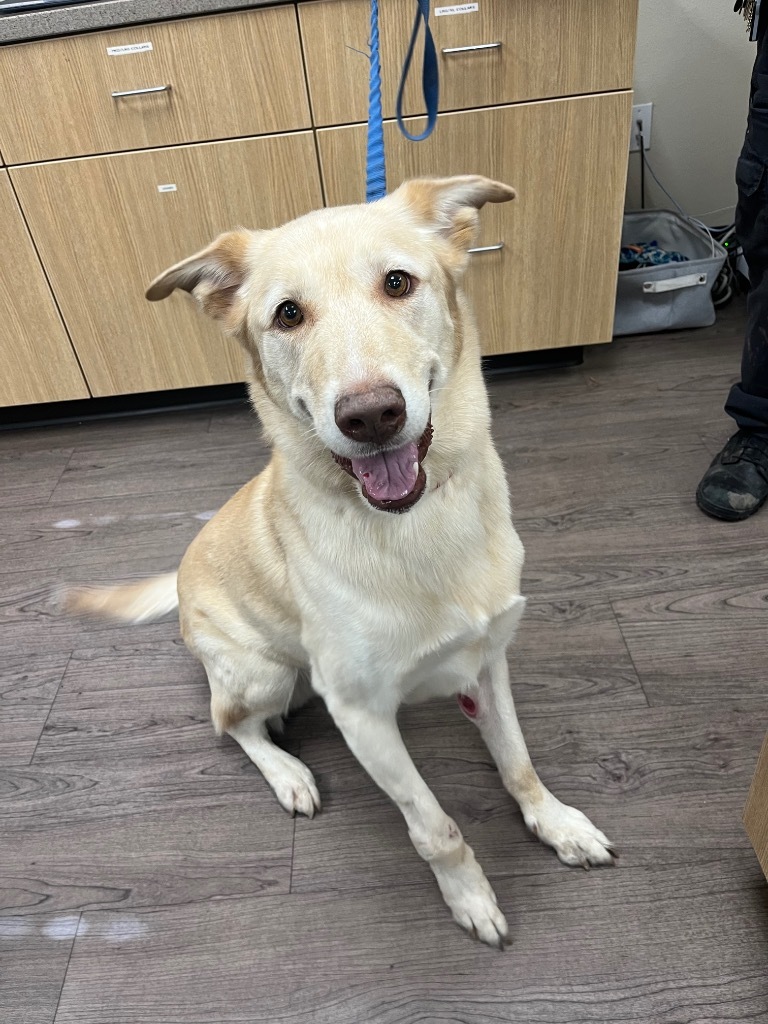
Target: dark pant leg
[{"x": 748, "y": 400}]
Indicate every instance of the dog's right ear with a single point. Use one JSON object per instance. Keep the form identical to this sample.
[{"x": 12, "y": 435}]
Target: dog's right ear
[{"x": 213, "y": 276}]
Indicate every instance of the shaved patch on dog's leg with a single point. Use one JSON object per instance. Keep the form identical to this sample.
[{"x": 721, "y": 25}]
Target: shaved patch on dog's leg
[{"x": 469, "y": 705}]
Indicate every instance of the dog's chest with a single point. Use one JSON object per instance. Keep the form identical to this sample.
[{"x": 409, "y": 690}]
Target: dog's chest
[
  {"x": 402, "y": 616},
  {"x": 393, "y": 657}
]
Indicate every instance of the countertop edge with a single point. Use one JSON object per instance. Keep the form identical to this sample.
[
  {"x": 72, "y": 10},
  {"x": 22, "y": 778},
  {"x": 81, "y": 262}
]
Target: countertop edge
[{"x": 110, "y": 14}]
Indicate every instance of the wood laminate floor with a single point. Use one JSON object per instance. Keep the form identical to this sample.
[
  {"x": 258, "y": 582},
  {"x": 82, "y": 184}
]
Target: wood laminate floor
[{"x": 147, "y": 876}]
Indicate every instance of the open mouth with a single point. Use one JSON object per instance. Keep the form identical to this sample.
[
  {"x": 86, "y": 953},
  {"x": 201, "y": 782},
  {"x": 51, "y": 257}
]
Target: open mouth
[{"x": 392, "y": 481}]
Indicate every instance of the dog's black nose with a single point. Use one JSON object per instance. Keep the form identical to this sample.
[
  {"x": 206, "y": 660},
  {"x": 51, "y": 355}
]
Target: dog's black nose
[{"x": 371, "y": 416}]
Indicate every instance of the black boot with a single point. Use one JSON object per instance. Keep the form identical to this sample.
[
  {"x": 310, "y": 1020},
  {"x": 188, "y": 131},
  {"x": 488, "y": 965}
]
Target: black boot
[{"x": 736, "y": 484}]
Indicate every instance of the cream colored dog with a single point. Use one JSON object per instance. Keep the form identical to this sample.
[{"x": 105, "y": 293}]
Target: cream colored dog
[{"x": 374, "y": 560}]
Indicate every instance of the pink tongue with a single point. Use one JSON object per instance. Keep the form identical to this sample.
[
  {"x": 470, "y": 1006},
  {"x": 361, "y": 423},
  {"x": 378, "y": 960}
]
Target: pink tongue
[{"x": 389, "y": 475}]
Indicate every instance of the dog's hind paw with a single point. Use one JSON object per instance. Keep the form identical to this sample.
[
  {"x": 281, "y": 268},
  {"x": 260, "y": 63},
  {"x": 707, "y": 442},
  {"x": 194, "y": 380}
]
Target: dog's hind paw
[
  {"x": 294, "y": 786},
  {"x": 577, "y": 842}
]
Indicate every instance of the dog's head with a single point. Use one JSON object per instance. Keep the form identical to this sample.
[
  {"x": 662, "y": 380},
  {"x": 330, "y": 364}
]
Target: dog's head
[{"x": 351, "y": 319}]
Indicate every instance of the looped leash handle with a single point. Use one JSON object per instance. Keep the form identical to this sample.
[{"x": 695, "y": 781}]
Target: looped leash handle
[{"x": 430, "y": 78}]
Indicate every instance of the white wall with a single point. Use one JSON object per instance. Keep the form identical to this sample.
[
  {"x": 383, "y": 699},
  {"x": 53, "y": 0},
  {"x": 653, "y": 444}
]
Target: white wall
[{"x": 693, "y": 63}]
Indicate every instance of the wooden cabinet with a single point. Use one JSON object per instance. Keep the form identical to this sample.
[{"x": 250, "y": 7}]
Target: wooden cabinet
[
  {"x": 553, "y": 284},
  {"x": 229, "y": 119},
  {"x": 213, "y": 78},
  {"x": 756, "y": 811},
  {"x": 38, "y": 364},
  {"x": 505, "y": 52},
  {"x": 105, "y": 226}
]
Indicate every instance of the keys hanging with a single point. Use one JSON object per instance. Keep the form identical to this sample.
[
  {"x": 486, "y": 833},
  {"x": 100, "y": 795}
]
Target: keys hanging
[{"x": 750, "y": 10}]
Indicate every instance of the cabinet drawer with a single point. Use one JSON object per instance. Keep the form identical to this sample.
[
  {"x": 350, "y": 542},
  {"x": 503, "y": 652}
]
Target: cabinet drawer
[
  {"x": 221, "y": 77},
  {"x": 547, "y": 48},
  {"x": 553, "y": 283},
  {"x": 105, "y": 226},
  {"x": 37, "y": 358}
]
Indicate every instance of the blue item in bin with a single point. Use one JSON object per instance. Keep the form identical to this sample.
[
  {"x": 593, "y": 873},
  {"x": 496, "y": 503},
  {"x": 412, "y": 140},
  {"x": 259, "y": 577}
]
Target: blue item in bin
[{"x": 647, "y": 254}]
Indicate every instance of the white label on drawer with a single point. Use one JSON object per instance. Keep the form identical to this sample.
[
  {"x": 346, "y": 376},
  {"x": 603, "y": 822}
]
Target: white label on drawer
[
  {"x": 457, "y": 9},
  {"x": 166, "y": 188},
  {"x": 118, "y": 51}
]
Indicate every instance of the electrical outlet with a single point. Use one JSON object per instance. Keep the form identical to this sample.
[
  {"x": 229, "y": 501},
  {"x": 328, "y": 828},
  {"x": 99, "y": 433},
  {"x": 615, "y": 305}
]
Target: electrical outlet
[{"x": 643, "y": 113}]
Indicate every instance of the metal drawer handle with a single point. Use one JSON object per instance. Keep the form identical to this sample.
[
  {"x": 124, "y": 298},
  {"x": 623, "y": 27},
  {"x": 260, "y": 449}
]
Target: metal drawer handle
[
  {"x": 141, "y": 92},
  {"x": 471, "y": 49},
  {"x": 487, "y": 248}
]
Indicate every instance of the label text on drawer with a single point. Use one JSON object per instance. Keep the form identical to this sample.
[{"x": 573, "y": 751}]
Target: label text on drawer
[
  {"x": 118, "y": 51},
  {"x": 457, "y": 9}
]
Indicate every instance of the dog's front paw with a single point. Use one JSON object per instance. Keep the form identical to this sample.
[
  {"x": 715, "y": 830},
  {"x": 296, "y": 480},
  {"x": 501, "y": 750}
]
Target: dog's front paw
[
  {"x": 478, "y": 914},
  {"x": 575, "y": 839},
  {"x": 472, "y": 901}
]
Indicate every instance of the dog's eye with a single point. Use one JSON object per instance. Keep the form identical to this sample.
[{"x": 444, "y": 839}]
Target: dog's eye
[
  {"x": 397, "y": 284},
  {"x": 288, "y": 314}
]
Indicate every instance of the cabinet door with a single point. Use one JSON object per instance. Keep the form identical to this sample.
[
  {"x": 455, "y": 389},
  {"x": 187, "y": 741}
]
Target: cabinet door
[
  {"x": 504, "y": 51},
  {"x": 221, "y": 77},
  {"x": 38, "y": 364},
  {"x": 106, "y": 226},
  {"x": 756, "y": 811},
  {"x": 553, "y": 283}
]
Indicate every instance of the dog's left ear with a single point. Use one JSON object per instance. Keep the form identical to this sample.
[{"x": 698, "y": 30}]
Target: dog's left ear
[
  {"x": 213, "y": 276},
  {"x": 451, "y": 205}
]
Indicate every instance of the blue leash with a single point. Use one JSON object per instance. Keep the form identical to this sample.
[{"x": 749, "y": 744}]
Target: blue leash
[{"x": 375, "y": 169}]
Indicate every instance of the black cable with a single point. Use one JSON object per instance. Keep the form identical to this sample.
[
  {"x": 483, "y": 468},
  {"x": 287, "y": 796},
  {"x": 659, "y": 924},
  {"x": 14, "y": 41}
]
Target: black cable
[{"x": 641, "y": 141}]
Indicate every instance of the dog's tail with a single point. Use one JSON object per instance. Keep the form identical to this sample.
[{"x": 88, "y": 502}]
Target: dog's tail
[{"x": 145, "y": 601}]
